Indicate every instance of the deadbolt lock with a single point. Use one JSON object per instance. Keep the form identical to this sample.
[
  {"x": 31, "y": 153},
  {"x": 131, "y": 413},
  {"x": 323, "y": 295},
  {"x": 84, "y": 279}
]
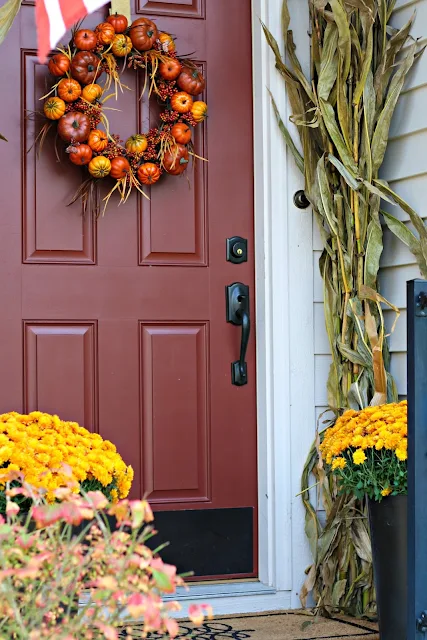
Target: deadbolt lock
[{"x": 237, "y": 250}]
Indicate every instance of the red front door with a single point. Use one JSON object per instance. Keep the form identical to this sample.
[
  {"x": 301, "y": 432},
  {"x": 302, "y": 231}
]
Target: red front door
[{"x": 120, "y": 323}]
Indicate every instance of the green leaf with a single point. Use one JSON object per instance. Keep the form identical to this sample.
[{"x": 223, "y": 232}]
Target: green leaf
[
  {"x": 287, "y": 136},
  {"x": 328, "y": 62},
  {"x": 374, "y": 249},
  {"x": 344, "y": 40},
  {"x": 325, "y": 196},
  {"x": 8, "y": 13},
  {"x": 381, "y": 133},
  {"x": 354, "y": 356},
  {"x": 366, "y": 68},
  {"x": 328, "y": 115},
  {"x": 402, "y": 232},
  {"x": 348, "y": 176}
]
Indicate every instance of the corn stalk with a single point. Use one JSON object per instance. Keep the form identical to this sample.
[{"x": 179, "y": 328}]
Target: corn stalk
[{"x": 343, "y": 112}]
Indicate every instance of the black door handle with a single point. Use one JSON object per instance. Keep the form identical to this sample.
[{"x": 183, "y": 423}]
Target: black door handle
[{"x": 237, "y": 303}]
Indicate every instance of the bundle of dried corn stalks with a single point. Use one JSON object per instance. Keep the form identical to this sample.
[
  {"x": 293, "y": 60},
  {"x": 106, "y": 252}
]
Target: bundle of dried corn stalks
[{"x": 343, "y": 113}]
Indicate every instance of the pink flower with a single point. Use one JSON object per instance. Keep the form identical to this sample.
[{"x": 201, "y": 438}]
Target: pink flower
[
  {"x": 97, "y": 500},
  {"x": 197, "y": 613},
  {"x": 110, "y": 633},
  {"x": 12, "y": 509},
  {"x": 172, "y": 627}
]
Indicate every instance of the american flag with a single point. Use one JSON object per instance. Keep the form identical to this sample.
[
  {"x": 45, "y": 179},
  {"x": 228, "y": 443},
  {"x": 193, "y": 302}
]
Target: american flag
[{"x": 55, "y": 17}]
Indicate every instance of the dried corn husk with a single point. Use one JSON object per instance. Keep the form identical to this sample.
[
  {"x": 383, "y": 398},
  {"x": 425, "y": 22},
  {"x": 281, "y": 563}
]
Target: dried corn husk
[{"x": 343, "y": 112}]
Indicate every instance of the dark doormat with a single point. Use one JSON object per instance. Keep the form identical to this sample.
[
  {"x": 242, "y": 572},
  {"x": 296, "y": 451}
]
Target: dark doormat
[{"x": 269, "y": 626}]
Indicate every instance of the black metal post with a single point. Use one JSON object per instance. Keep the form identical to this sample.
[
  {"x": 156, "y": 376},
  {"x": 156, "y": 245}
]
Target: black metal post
[{"x": 417, "y": 460}]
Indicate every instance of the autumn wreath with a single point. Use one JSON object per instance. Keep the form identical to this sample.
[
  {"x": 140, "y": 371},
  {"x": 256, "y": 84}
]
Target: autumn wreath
[{"x": 76, "y": 103}]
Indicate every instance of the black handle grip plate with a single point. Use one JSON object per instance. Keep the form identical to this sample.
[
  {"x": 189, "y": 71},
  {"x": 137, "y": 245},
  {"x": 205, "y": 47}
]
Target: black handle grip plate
[{"x": 237, "y": 305}]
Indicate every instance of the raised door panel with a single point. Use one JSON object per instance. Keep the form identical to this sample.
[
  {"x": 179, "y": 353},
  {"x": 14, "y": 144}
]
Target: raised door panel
[
  {"x": 175, "y": 411},
  {"x": 172, "y": 8},
  {"x": 52, "y": 233},
  {"x": 60, "y": 370}
]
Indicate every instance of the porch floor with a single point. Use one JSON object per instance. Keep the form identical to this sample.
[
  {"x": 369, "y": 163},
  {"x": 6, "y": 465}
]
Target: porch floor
[{"x": 292, "y": 625}]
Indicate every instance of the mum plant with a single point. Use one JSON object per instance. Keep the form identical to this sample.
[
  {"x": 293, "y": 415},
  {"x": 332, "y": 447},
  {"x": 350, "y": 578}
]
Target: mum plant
[
  {"x": 367, "y": 451},
  {"x": 342, "y": 110},
  {"x": 49, "y": 452},
  {"x": 63, "y": 553}
]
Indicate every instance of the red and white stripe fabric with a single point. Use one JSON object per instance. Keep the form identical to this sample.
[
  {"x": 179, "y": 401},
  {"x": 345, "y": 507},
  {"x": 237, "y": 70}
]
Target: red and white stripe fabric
[{"x": 55, "y": 17}]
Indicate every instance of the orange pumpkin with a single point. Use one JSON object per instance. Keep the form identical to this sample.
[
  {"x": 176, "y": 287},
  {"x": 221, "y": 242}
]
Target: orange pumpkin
[
  {"x": 122, "y": 45},
  {"x": 199, "y": 110},
  {"x": 136, "y": 143},
  {"x": 170, "y": 69},
  {"x": 191, "y": 81},
  {"x": 69, "y": 89},
  {"x": 74, "y": 126},
  {"x": 120, "y": 167},
  {"x": 119, "y": 22},
  {"x": 99, "y": 167},
  {"x": 85, "y": 39},
  {"x": 181, "y": 102},
  {"x": 54, "y": 108},
  {"x": 149, "y": 173},
  {"x": 97, "y": 140},
  {"x": 80, "y": 154},
  {"x": 176, "y": 160},
  {"x": 105, "y": 33},
  {"x": 143, "y": 33},
  {"x": 181, "y": 132},
  {"x": 92, "y": 92},
  {"x": 166, "y": 40},
  {"x": 59, "y": 65}
]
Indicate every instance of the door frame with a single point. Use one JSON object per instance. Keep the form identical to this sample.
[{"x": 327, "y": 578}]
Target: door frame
[{"x": 284, "y": 278}]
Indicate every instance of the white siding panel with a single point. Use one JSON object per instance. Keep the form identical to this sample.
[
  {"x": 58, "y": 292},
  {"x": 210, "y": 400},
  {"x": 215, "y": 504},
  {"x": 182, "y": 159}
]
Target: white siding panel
[
  {"x": 410, "y": 114},
  {"x": 321, "y": 342},
  {"x": 413, "y": 190},
  {"x": 405, "y": 157},
  {"x": 397, "y": 339},
  {"x": 398, "y": 371},
  {"x": 393, "y": 283},
  {"x": 321, "y": 367}
]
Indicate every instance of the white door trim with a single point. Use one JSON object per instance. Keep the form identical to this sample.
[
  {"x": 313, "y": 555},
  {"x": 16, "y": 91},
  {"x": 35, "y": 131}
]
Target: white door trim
[{"x": 285, "y": 343}]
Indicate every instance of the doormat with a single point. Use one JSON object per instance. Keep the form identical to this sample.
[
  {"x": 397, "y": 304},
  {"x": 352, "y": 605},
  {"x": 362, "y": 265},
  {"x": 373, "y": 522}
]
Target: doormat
[{"x": 269, "y": 626}]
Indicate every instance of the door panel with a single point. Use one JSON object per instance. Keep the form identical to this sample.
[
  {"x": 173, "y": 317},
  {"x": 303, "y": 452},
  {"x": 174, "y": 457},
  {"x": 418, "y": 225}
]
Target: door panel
[{"x": 119, "y": 323}]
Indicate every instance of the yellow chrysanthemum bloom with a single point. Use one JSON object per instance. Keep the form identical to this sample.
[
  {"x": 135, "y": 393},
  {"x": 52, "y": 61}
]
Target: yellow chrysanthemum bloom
[
  {"x": 359, "y": 456},
  {"x": 44, "y": 448},
  {"x": 339, "y": 463},
  {"x": 386, "y": 492}
]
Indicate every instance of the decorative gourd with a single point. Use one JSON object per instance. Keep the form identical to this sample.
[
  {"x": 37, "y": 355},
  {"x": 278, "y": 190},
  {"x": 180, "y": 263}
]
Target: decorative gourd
[
  {"x": 54, "y": 108},
  {"x": 143, "y": 33},
  {"x": 149, "y": 173},
  {"x": 170, "y": 69},
  {"x": 181, "y": 132},
  {"x": 74, "y": 127},
  {"x": 86, "y": 67},
  {"x": 59, "y": 65},
  {"x": 122, "y": 45},
  {"x": 181, "y": 102},
  {"x": 97, "y": 140},
  {"x": 69, "y": 89},
  {"x": 199, "y": 110},
  {"x": 80, "y": 154},
  {"x": 176, "y": 160},
  {"x": 166, "y": 40},
  {"x": 120, "y": 167},
  {"x": 92, "y": 92},
  {"x": 119, "y": 22},
  {"x": 99, "y": 167},
  {"x": 85, "y": 39},
  {"x": 191, "y": 81},
  {"x": 136, "y": 143},
  {"x": 105, "y": 33}
]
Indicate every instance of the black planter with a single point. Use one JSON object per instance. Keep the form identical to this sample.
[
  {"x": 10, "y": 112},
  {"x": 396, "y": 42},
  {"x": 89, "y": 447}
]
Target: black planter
[{"x": 388, "y": 523}]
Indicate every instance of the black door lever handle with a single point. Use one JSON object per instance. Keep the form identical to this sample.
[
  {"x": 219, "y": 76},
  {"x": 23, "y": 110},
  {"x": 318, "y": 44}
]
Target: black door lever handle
[{"x": 237, "y": 302}]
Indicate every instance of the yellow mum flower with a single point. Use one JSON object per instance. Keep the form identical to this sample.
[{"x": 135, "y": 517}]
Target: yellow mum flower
[
  {"x": 359, "y": 456},
  {"x": 386, "y": 492},
  {"x": 401, "y": 454},
  {"x": 339, "y": 463}
]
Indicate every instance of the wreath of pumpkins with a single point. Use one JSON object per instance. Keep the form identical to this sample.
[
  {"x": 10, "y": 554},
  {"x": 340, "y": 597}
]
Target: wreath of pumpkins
[{"x": 76, "y": 103}]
